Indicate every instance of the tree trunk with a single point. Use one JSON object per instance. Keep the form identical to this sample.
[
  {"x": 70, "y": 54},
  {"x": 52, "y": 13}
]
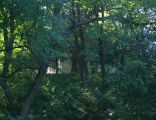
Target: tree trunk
[
  {"x": 82, "y": 58},
  {"x": 101, "y": 54},
  {"x": 31, "y": 94},
  {"x": 74, "y": 59},
  {"x": 75, "y": 49}
]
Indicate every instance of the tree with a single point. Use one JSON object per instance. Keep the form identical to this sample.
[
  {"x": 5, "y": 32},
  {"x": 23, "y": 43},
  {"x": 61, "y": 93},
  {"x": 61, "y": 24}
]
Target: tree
[{"x": 111, "y": 46}]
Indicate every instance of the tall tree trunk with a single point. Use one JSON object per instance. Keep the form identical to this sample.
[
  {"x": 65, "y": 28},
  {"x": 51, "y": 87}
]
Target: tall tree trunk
[
  {"x": 57, "y": 10},
  {"x": 101, "y": 48},
  {"x": 82, "y": 58},
  {"x": 75, "y": 50}
]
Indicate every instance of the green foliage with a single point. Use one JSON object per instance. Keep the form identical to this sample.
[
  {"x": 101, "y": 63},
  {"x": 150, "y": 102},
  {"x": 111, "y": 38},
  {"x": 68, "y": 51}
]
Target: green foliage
[
  {"x": 110, "y": 43},
  {"x": 65, "y": 97}
]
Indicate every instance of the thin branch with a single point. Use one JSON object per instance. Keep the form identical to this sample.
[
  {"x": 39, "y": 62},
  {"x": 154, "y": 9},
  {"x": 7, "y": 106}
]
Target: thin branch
[{"x": 122, "y": 20}]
